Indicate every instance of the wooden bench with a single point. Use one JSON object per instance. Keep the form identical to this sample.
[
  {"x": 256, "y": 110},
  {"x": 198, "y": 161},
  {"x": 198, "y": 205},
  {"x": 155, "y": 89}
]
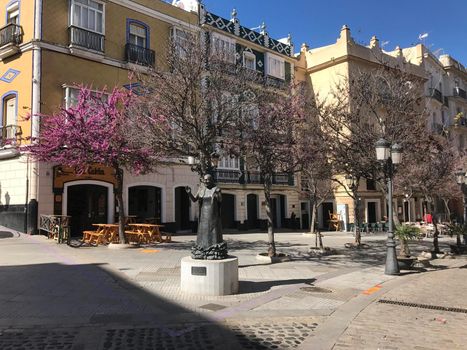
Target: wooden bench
[
  {"x": 142, "y": 237},
  {"x": 94, "y": 237}
]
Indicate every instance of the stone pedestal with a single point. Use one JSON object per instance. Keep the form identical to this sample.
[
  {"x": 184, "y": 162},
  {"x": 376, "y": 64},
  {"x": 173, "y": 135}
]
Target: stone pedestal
[{"x": 209, "y": 277}]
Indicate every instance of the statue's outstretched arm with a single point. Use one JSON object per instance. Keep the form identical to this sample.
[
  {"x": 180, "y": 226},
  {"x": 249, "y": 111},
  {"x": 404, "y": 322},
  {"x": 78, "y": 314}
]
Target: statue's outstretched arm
[{"x": 193, "y": 198}]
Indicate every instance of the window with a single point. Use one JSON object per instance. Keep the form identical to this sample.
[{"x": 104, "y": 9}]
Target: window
[
  {"x": 87, "y": 14},
  {"x": 228, "y": 162},
  {"x": 12, "y": 13},
  {"x": 370, "y": 185},
  {"x": 275, "y": 66},
  {"x": 9, "y": 110},
  {"x": 249, "y": 60},
  {"x": 181, "y": 41},
  {"x": 137, "y": 34},
  {"x": 224, "y": 47},
  {"x": 72, "y": 96}
]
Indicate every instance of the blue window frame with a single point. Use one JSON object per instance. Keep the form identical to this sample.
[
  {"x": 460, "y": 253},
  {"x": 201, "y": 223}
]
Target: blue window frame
[
  {"x": 9, "y": 101},
  {"x": 137, "y": 33},
  {"x": 12, "y": 12}
]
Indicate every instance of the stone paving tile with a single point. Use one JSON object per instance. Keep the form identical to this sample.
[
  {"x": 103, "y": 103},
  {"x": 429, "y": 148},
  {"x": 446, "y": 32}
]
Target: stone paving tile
[
  {"x": 305, "y": 303},
  {"x": 37, "y": 340},
  {"x": 388, "y": 326}
]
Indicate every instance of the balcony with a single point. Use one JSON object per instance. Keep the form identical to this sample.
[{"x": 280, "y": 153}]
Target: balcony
[
  {"x": 251, "y": 177},
  {"x": 11, "y": 36},
  {"x": 86, "y": 39},
  {"x": 275, "y": 82},
  {"x": 458, "y": 92},
  {"x": 10, "y": 135},
  {"x": 140, "y": 55},
  {"x": 436, "y": 94},
  {"x": 228, "y": 176}
]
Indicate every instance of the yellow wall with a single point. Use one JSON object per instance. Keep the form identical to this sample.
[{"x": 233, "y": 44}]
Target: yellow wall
[
  {"x": 55, "y": 25},
  {"x": 26, "y": 17},
  {"x": 22, "y": 84},
  {"x": 57, "y": 72}
]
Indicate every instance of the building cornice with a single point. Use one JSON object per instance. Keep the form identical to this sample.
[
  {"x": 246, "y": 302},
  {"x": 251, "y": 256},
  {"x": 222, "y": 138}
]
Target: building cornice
[
  {"x": 132, "y": 5},
  {"x": 251, "y": 44},
  {"x": 347, "y": 58},
  {"x": 74, "y": 52}
]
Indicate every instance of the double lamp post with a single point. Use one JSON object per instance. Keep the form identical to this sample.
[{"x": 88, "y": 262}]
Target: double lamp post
[{"x": 389, "y": 156}]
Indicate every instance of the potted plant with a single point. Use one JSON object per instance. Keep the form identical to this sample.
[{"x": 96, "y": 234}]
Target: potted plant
[
  {"x": 405, "y": 233},
  {"x": 457, "y": 230}
]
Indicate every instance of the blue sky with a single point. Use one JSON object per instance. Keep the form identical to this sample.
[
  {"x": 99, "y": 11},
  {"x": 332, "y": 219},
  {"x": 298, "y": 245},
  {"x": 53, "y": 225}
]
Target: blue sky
[{"x": 394, "y": 21}]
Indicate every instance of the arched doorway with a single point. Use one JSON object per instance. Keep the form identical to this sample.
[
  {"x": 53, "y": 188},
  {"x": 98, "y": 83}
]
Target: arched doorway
[
  {"x": 146, "y": 203},
  {"x": 87, "y": 205},
  {"x": 228, "y": 211},
  {"x": 182, "y": 209},
  {"x": 252, "y": 211}
]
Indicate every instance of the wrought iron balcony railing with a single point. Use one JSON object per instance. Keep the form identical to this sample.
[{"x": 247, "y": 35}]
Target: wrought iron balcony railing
[
  {"x": 10, "y": 135},
  {"x": 228, "y": 176},
  {"x": 140, "y": 55},
  {"x": 458, "y": 92},
  {"x": 11, "y": 34},
  {"x": 275, "y": 82},
  {"x": 436, "y": 94},
  {"x": 86, "y": 39},
  {"x": 251, "y": 177}
]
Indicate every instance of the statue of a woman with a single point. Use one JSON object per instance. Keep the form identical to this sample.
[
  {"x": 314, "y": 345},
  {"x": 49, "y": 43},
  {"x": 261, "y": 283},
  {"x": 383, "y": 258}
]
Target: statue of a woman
[{"x": 209, "y": 243}]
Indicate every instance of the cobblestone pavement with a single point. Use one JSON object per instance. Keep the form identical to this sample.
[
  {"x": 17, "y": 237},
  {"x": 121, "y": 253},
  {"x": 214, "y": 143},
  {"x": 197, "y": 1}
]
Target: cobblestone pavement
[
  {"x": 414, "y": 316},
  {"x": 58, "y": 297}
]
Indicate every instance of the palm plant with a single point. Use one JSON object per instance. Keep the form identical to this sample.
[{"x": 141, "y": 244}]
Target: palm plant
[{"x": 405, "y": 233}]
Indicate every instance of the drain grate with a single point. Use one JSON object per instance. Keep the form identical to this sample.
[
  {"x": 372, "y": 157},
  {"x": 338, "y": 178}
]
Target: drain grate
[{"x": 424, "y": 306}]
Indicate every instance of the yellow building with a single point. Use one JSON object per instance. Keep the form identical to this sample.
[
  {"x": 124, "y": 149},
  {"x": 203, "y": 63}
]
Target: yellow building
[
  {"x": 323, "y": 68},
  {"x": 49, "y": 48}
]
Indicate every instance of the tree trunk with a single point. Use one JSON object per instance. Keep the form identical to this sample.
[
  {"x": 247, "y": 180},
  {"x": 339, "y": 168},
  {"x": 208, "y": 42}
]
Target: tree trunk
[
  {"x": 395, "y": 217},
  {"x": 404, "y": 250},
  {"x": 356, "y": 214},
  {"x": 321, "y": 246},
  {"x": 267, "y": 194},
  {"x": 448, "y": 211},
  {"x": 435, "y": 226},
  {"x": 119, "y": 196},
  {"x": 314, "y": 212}
]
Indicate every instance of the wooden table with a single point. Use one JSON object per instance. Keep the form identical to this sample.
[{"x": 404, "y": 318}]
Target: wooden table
[
  {"x": 147, "y": 233},
  {"x": 104, "y": 234}
]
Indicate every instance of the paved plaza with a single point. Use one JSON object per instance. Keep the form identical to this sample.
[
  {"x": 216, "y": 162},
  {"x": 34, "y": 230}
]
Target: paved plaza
[{"x": 60, "y": 297}]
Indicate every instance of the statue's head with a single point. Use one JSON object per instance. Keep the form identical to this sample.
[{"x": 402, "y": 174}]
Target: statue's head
[{"x": 207, "y": 180}]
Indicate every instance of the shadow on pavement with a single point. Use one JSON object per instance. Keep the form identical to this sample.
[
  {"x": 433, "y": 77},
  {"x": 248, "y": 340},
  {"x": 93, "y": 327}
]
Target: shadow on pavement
[
  {"x": 87, "y": 306},
  {"x": 263, "y": 286},
  {"x": 6, "y": 234}
]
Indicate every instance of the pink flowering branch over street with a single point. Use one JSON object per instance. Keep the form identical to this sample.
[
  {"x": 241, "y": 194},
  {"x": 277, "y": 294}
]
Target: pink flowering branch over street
[{"x": 95, "y": 131}]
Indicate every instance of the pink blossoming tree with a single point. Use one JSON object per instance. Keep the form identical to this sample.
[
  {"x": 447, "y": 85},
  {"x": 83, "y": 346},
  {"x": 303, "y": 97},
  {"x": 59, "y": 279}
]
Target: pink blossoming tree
[{"x": 95, "y": 130}]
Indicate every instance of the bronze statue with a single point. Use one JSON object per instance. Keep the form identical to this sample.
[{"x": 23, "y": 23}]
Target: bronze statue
[{"x": 209, "y": 243}]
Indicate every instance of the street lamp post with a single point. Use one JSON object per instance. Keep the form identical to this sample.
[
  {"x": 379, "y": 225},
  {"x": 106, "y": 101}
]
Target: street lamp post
[
  {"x": 461, "y": 179},
  {"x": 389, "y": 156}
]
